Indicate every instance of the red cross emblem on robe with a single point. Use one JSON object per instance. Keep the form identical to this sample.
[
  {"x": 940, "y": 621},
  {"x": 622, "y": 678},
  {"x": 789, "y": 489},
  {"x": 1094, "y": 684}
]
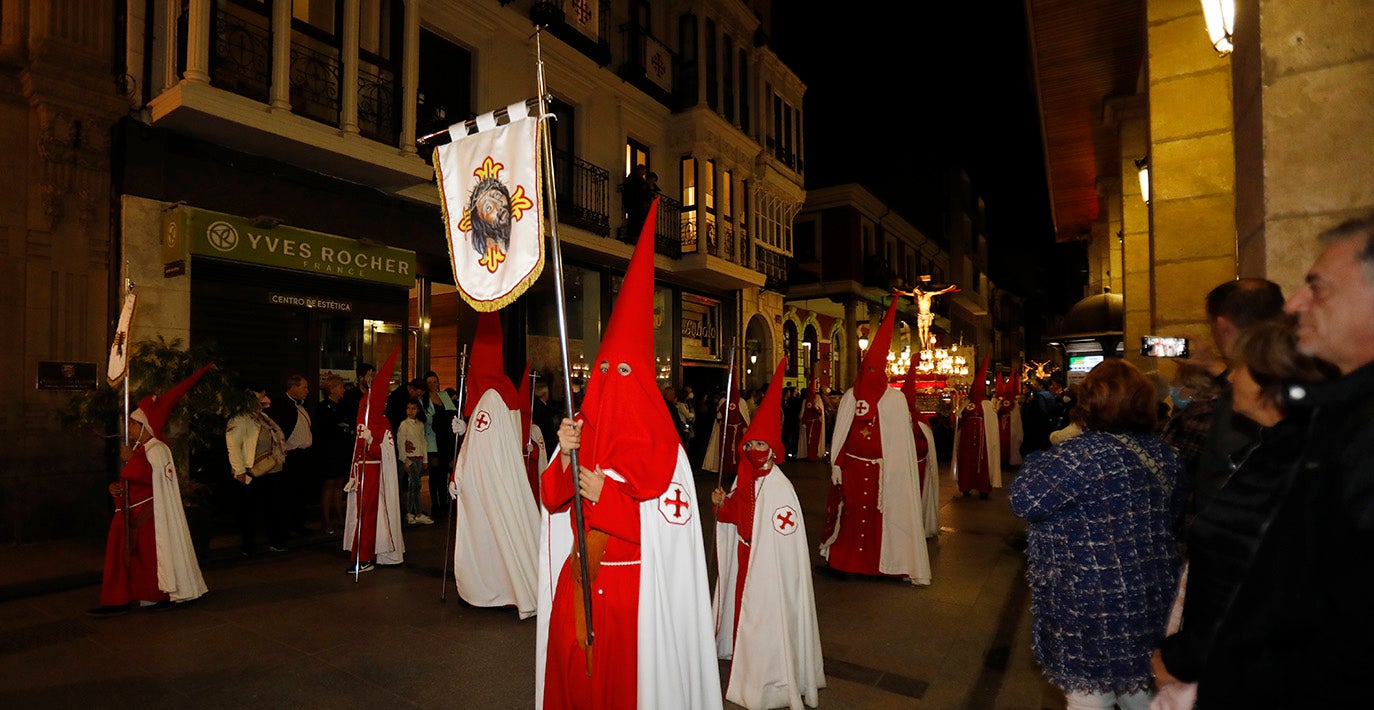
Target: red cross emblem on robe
[
  {"x": 675, "y": 505},
  {"x": 482, "y": 420},
  {"x": 785, "y": 520}
]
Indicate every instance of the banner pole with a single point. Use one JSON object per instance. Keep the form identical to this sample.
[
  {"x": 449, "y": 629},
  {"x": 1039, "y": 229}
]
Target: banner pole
[
  {"x": 551, "y": 214},
  {"x": 725, "y": 421},
  {"x": 452, "y": 523}
]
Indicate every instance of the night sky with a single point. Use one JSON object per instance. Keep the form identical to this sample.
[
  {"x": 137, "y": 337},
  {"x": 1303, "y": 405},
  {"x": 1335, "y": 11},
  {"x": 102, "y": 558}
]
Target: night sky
[{"x": 893, "y": 99}]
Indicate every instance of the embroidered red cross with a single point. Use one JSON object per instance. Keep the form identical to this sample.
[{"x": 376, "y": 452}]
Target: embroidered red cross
[
  {"x": 682, "y": 506},
  {"x": 483, "y": 421},
  {"x": 783, "y": 521},
  {"x": 678, "y": 504}
]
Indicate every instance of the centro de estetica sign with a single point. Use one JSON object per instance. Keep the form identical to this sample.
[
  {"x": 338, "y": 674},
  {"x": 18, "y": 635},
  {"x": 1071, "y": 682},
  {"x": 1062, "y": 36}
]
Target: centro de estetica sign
[{"x": 225, "y": 236}]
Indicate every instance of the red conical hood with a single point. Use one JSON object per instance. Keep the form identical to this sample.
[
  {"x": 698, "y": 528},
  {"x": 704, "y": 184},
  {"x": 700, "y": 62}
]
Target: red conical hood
[
  {"x": 872, "y": 379},
  {"x": 372, "y": 413},
  {"x": 626, "y": 423},
  {"x": 486, "y": 370},
  {"x": 909, "y": 389},
  {"x": 979, "y": 388},
  {"x": 154, "y": 410},
  {"x": 766, "y": 424}
]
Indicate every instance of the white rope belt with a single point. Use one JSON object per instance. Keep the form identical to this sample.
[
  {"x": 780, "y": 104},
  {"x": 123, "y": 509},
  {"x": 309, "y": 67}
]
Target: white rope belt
[
  {"x": 627, "y": 563},
  {"x": 860, "y": 458},
  {"x": 134, "y": 505}
]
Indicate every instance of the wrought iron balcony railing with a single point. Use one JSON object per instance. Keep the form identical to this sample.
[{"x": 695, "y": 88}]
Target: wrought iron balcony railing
[
  {"x": 773, "y": 266},
  {"x": 315, "y": 79},
  {"x": 584, "y": 191},
  {"x": 241, "y": 53}
]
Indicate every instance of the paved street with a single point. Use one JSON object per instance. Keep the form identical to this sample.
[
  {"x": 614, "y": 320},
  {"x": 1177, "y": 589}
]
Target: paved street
[{"x": 292, "y": 630}]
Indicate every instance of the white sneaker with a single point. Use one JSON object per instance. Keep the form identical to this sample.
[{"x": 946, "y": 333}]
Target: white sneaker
[
  {"x": 424, "y": 519},
  {"x": 410, "y": 519}
]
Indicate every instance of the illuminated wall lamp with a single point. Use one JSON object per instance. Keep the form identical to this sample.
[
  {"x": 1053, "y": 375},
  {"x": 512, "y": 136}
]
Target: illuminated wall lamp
[
  {"x": 1221, "y": 22},
  {"x": 1142, "y": 167}
]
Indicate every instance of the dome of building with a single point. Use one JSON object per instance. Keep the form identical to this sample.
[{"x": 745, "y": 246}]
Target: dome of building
[{"x": 1094, "y": 317}]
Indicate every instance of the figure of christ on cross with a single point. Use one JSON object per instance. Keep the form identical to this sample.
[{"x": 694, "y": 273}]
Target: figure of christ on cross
[{"x": 923, "y": 315}]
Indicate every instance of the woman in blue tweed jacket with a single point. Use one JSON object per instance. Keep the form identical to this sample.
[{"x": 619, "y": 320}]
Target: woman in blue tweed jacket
[{"x": 1103, "y": 561}]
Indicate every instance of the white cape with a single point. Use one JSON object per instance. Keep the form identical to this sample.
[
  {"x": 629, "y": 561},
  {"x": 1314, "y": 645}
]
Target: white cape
[
  {"x": 711, "y": 460},
  {"x": 496, "y": 535},
  {"x": 899, "y": 496},
  {"x": 777, "y": 655},
  {"x": 676, "y": 659},
  {"x": 390, "y": 547},
  {"x": 930, "y": 493},
  {"x": 178, "y": 570}
]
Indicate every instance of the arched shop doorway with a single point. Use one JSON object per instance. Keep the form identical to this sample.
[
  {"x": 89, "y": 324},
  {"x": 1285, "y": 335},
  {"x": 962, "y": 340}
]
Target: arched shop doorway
[{"x": 758, "y": 352}]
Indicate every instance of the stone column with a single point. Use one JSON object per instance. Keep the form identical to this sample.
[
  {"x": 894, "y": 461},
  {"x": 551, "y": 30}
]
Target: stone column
[
  {"x": 1304, "y": 83},
  {"x": 410, "y": 75},
  {"x": 198, "y": 41},
  {"x": 1192, "y": 174},
  {"x": 280, "y": 99},
  {"x": 348, "y": 92}
]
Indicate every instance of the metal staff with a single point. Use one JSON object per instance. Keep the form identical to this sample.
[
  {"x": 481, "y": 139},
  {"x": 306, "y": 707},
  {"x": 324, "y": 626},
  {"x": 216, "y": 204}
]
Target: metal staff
[
  {"x": 725, "y": 420},
  {"x": 551, "y": 203},
  {"x": 453, "y": 502},
  {"x": 124, "y": 493},
  {"x": 359, "y": 464}
]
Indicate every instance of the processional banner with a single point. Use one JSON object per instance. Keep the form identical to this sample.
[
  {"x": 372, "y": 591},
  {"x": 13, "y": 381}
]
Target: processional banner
[{"x": 493, "y": 208}]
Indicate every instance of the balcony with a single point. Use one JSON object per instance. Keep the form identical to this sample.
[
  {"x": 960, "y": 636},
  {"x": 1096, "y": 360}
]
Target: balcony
[
  {"x": 583, "y": 193},
  {"x": 308, "y": 100},
  {"x": 773, "y": 266},
  {"x": 667, "y": 229}
]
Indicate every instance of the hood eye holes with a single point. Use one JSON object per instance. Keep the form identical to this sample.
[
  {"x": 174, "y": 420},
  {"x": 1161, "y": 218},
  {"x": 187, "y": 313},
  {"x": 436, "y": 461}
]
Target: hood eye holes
[
  {"x": 605, "y": 366},
  {"x": 623, "y": 368}
]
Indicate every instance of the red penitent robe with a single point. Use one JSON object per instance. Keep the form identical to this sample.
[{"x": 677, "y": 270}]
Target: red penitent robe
[
  {"x": 858, "y": 547},
  {"x": 813, "y": 429},
  {"x": 370, "y": 487},
  {"x": 730, "y": 512},
  {"x": 137, "y": 580},
  {"x": 973, "y": 451},
  {"x": 615, "y": 602}
]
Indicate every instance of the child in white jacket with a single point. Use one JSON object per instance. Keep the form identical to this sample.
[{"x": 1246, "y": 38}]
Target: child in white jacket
[{"x": 411, "y": 448}]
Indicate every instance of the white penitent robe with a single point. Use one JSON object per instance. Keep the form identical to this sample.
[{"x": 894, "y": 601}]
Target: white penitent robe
[
  {"x": 496, "y": 538},
  {"x": 178, "y": 570},
  {"x": 777, "y": 652}
]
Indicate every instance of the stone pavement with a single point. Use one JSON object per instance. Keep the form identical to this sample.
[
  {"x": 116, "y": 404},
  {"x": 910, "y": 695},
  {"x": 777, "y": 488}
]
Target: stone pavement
[{"x": 291, "y": 630}]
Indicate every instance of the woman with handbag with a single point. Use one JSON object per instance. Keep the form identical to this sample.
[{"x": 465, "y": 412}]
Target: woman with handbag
[
  {"x": 1233, "y": 631},
  {"x": 257, "y": 451},
  {"x": 1103, "y": 561}
]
